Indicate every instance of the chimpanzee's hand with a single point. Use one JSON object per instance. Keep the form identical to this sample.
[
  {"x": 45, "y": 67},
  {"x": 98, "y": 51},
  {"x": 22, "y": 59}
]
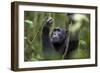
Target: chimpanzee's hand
[{"x": 49, "y": 21}]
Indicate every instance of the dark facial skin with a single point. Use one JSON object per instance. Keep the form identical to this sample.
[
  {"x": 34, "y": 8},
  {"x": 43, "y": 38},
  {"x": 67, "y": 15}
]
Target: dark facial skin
[{"x": 58, "y": 35}]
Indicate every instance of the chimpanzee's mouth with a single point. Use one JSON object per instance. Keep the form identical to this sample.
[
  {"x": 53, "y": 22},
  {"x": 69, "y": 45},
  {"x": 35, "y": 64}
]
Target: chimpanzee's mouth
[{"x": 54, "y": 40}]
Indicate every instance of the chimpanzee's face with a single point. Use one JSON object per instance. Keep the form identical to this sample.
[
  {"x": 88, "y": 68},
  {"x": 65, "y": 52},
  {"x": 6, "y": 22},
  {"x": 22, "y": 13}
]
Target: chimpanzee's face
[{"x": 58, "y": 35}]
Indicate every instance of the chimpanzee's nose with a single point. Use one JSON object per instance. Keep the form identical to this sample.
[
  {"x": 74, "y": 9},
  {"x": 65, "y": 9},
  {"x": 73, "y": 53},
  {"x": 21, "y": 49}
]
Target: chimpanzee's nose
[{"x": 54, "y": 34}]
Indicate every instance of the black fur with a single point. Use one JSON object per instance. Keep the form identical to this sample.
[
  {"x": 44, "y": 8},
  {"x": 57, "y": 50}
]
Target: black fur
[{"x": 57, "y": 41}]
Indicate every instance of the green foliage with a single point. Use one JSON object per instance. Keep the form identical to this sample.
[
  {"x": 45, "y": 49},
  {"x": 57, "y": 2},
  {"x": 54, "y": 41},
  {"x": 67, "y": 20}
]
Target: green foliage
[{"x": 33, "y": 24}]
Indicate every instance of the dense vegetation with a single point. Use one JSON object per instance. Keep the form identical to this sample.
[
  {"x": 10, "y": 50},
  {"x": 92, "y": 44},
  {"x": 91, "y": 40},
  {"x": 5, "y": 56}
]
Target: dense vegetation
[{"x": 33, "y": 23}]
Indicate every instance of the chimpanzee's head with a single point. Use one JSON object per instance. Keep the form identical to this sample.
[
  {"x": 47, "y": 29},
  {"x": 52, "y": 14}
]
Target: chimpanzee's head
[{"x": 58, "y": 35}]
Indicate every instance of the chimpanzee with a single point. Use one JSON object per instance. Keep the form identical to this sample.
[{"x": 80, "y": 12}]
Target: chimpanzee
[{"x": 56, "y": 44}]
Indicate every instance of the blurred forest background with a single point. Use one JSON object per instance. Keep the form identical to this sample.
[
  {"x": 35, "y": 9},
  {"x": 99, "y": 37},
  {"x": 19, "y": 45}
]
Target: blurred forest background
[{"x": 33, "y": 24}]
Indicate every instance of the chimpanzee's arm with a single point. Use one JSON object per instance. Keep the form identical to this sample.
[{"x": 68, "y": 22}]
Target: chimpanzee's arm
[{"x": 45, "y": 34}]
